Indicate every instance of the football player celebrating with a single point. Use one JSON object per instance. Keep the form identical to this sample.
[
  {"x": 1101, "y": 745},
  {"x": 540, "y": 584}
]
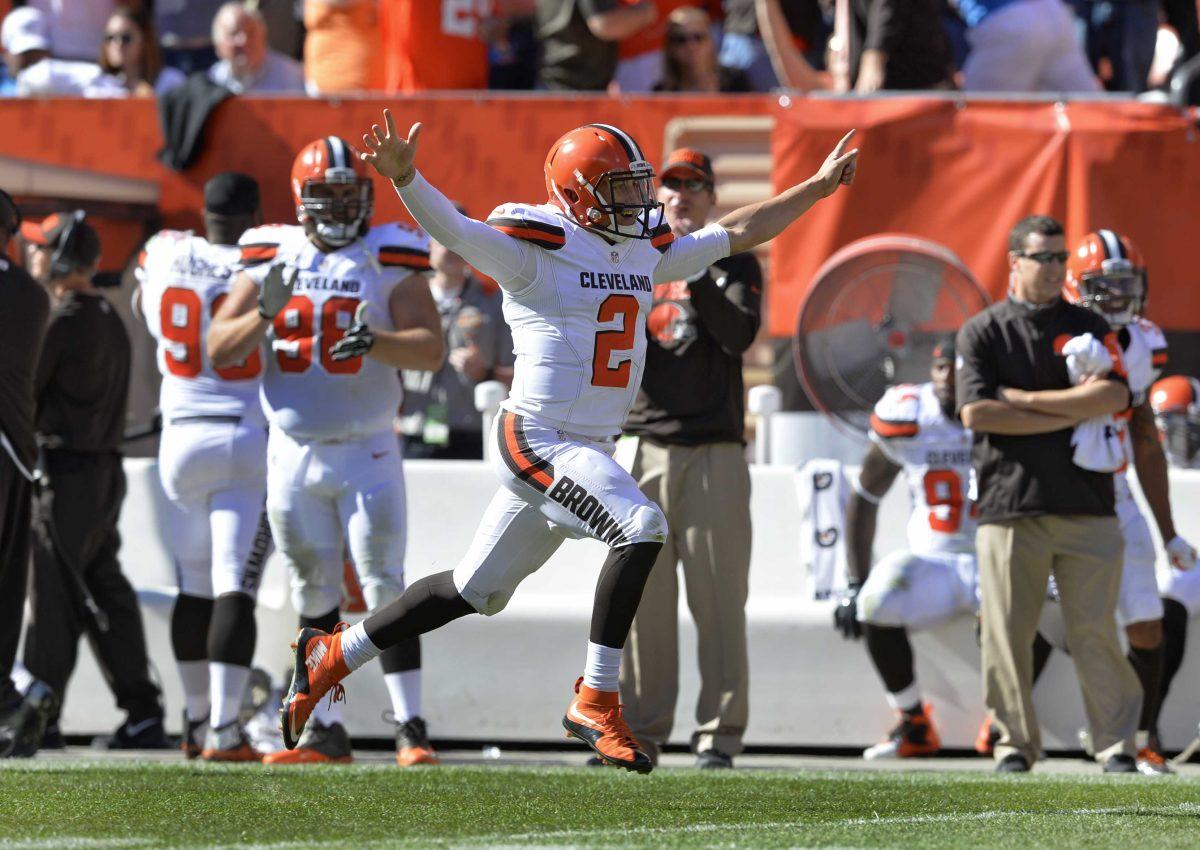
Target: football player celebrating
[
  {"x": 577, "y": 275},
  {"x": 913, "y": 429},
  {"x": 344, "y": 310},
  {"x": 212, "y": 464},
  {"x": 1106, "y": 273}
]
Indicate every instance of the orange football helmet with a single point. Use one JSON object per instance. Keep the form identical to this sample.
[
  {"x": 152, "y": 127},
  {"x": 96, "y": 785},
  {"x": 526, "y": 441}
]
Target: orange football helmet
[
  {"x": 598, "y": 176},
  {"x": 1106, "y": 273},
  {"x": 1176, "y": 405},
  {"x": 339, "y": 216}
]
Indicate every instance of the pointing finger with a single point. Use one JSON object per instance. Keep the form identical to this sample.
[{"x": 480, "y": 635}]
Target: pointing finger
[{"x": 841, "y": 146}]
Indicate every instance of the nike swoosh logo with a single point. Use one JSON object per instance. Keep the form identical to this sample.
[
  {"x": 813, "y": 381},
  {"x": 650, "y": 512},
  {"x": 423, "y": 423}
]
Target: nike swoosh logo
[
  {"x": 586, "y": 721},
  {"x": 378, "y": 455},
  {"x": 136, "y": 728}
]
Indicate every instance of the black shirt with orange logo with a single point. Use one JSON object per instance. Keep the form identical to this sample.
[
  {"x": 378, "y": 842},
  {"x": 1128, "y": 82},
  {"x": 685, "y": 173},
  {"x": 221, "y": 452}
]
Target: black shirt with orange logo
[
  {"x": 692, "y": 391},
  {"x": 1018, "y": 345}
]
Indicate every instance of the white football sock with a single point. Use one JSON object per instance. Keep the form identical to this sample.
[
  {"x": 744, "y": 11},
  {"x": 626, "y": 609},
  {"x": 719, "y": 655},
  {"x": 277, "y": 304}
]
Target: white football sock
[
  {"x": 357, "y": 648},
  {"x": 908, "y": 698},
  {"x": 194, "y": 676},
  {"x": 405, "y": 689},
  {"x": 603, "y": 668},
  {"x": 228, "y": 690}
]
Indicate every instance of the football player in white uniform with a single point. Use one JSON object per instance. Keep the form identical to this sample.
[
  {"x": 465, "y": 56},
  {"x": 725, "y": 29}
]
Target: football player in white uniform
[
  {"x": 212, "y": 464},
  {"x": 577, "y": 275},
  {"x": 1106, "y": 273},
  {"x": 343, "y": 307},
  {"x": 913, "y": 429}
]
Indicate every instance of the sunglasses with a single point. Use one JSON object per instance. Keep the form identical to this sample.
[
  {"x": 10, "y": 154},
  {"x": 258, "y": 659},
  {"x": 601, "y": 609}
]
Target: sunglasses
[
  {"x": 1044, "y": 257},
  {"x": 688, "y": 38},
  {"x": 121, "y": 37},
  {"x": 692, "y": 184}
]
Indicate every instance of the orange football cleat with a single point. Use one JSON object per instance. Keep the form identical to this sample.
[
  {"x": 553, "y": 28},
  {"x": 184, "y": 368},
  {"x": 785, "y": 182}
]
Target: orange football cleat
[
  {"x": 319, "y": 667},
  {"x": 913, "y": 737},
  {"x": 595, "y": 718},
  {"x": 229, "y": 743},
  {"x": 1150, "y": 762},
  {"x": 986, "y": 738},
  {"x": 412, "y": 743},
  {"x": 319, "y": 744}
]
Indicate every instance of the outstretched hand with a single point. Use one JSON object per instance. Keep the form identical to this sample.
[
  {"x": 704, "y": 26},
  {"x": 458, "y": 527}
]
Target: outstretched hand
[
  {"x": 839, "y": 167},
  {"x": 388, "y": 152}
]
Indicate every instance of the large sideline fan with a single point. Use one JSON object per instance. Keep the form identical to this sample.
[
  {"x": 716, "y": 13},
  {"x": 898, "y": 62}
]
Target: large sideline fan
[{"x": 871, "y": 318}]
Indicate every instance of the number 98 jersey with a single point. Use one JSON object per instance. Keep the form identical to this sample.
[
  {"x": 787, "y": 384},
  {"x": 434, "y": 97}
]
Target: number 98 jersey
[
  {"x": 308, "y": 394},
  {"x": 911, "y": 429},
  {"x": 184, "y": 279}
]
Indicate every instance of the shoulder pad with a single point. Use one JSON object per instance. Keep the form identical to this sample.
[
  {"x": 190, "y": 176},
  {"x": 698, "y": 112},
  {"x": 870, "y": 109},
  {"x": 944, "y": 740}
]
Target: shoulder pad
[
  {"x": 539, "y": 225},
  {"x": 261, "y": 244},
  {"x": 896, "y": 414},
  {"x": 661, "y": 236},
  {"x": 399, "y": 245},
  {"x": 164, "y": 240}
]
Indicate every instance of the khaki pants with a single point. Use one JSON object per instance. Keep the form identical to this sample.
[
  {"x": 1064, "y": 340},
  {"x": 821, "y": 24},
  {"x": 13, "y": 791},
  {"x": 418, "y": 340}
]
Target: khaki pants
[
  {"x": 705, "y": 493},
  {"x": 1016, "y": 559}
]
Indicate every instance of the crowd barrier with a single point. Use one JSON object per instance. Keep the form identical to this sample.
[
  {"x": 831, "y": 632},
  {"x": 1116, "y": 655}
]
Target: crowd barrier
[{"x": 508, "y": 677}]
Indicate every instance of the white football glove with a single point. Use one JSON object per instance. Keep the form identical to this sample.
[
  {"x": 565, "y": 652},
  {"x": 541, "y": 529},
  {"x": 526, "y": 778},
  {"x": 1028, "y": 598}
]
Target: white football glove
[
  {"x": 1180, "y": 553},
  {"x": 276, "y": 291},
  {"x": 1086, "y": 357},
  {"x": 358, "y": 339}
]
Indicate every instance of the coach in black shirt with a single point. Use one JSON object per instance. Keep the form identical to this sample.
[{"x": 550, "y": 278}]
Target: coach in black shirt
[
  {"x": 684, "y": 444},
  {"x": 1039, "y": 512},
  {"x": 81, "y": 389}
]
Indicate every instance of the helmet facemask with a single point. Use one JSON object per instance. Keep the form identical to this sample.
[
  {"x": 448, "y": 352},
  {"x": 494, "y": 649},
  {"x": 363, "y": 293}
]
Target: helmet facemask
[
  {"x": 1117, "y": 292},
  {"x": 338, "y": 214},
  {"x": 1180, "y": 436},
  {"x": 624, "y": 201}
]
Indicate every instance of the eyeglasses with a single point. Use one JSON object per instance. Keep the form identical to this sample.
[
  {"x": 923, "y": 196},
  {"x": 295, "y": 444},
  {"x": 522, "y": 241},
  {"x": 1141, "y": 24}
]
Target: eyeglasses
[
  {"x": 687, "y": 37},
  {"x": 1044, "y": 257},
  {"x": 692, "y": 184},
  {"x": 122, "y": 37}
]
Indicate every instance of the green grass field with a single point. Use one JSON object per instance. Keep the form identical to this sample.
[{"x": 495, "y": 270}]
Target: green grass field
[{"x": 46, "y": 804}]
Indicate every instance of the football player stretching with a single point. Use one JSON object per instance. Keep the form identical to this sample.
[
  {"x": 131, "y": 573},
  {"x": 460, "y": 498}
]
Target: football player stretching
[{"x": 578, "y": 276}]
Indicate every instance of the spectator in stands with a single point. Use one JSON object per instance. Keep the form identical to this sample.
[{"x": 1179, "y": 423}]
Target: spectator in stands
[
  {"x": 894, "y": 44},
  {"x": 25, "y": 37},
  {"x": 639, "y": 57},
  {"x": 433, "y": 44},
  {"x": 342, "y": 46},
  {"x": 78, "y": 587},
  {"x": 512, "y": 45},
  {"x": 247, "y": 65},
  {"x": 579, "y": 40},
  {"x": 185, "y": 29},
  {"x": 1023, "y": 46},
  {"x": 439, "y": 418},
  {"x": 1120, "y": 38},
  {"x": 792, "y": 68},
  {"x": 1040, "y": 512},
  {"x": 76, "y": 26},
  {"x": 688, "y": 456},
  {"x": 131, "y": 58},
  {"x": 689, "y": 59}
]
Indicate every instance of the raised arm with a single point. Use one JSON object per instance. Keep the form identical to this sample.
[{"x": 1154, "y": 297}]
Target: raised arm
[
  {"x": 752, "y": 225},
  {"x": 511, "y": 263}
]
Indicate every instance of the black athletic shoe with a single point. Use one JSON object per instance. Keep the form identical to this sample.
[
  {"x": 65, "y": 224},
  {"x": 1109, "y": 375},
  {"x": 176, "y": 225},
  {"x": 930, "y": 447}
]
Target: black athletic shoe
[
  {"x": 52, "y": 738},
  {"x": 412, "y": 743},
  {"x": 713, "y": 760},
  {"x": 1013, "y": 763},
  {"x": 23, "y": 724},
  {"x": 145, "y": 734},
  {"x": 1121, "y": 763}
]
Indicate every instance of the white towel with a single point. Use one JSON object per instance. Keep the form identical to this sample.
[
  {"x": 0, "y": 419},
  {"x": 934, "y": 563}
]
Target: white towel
[
  {"x": 824, "y": 493},
  {"x": 1097, "y": 441}
]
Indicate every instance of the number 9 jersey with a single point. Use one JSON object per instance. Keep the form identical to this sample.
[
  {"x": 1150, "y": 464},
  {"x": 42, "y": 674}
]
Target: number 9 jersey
[
  {"x": 184, "y": 278},
  {"x": 307, "y": 394},
  {"x": 913, "y": 431}
]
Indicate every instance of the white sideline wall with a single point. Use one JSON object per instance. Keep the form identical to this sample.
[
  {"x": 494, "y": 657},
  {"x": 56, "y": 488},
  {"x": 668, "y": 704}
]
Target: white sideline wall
[{"x": 509, "y": 677}]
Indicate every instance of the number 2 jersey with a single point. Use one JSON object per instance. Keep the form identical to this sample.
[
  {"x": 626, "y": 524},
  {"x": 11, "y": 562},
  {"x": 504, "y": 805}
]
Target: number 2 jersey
[
  {"x": 913, "y": 431},
  {"x": 1144, "y": 350},
  {"x": 184, "y": 278},
  {"x": 307, "y": 393}
]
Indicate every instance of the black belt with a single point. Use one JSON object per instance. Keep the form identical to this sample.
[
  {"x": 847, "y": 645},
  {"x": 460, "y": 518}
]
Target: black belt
[{"x": 218, "y": 420}]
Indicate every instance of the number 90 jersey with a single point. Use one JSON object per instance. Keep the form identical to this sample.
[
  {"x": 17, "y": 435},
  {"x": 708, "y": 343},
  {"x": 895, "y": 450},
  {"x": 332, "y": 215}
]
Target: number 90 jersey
[
  {"x": 579, "y": 328},
  {"x": 183, "y": 281},
  {"x": 911, "y": 429},
  {"x": 308, "y": 394}
]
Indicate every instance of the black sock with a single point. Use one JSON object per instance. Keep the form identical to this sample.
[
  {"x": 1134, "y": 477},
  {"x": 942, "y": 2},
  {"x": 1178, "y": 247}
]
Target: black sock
[
  {"x": 325, "y": 622},
  {"x": 404, "y": 656},
  {"x": 892, "y": 655},
  {"x": 1041, "y": 655},
  {"x": 1175, "y": 629},
  {"x": 424, "y": 606},
  {"x": 1148, "y": 664},
  {"x": 189, "y": 627},
  {"x": 619, "y": 590},
  {"x": 232, "y": 632}
]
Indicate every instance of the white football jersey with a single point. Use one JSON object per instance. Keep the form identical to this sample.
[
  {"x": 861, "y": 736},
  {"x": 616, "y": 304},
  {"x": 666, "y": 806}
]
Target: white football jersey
[
  {"x": 307, "y": 393},
  {"x": 911, "y": 429},
  {"x": 1144, "y": 350},
  {"x": 184, "y": 278},
  {"x": 579, "y": 329}
]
